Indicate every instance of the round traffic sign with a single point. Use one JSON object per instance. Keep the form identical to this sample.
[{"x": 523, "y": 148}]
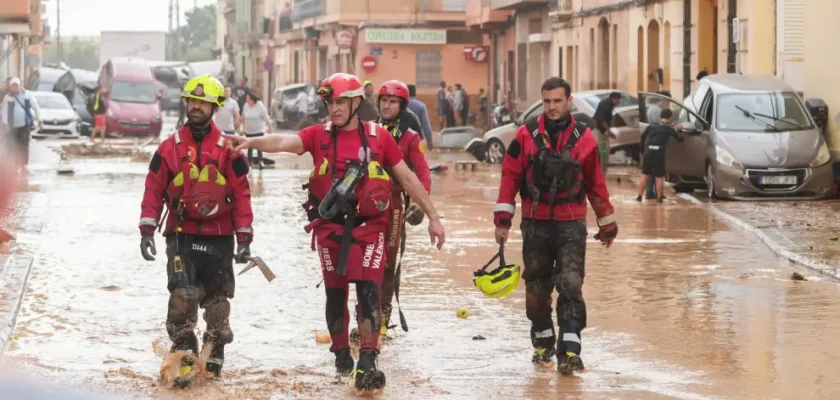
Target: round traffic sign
[
  {"x": 479, "y": 54},
  {"x": 369, "y": 63}
]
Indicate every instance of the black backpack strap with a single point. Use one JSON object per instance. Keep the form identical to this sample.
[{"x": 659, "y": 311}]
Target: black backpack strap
[
  {"x": 533, "y": 128},
  {"x": 580, "y": 128}
]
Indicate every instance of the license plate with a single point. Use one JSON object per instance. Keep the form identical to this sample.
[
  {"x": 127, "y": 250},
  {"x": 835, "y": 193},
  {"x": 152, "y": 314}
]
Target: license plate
[
  {"x": 778, "y": 180},
  {"x": 506, "y": 119}
]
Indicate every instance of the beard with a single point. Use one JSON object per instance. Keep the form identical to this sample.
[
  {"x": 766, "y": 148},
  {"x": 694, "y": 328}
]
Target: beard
[{"x": 198, "y": 117}]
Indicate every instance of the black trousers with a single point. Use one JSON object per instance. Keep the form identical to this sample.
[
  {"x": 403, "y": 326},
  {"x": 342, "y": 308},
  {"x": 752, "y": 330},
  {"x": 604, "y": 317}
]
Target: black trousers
[
  {"x": 21, "y": 137},
  {"x": 554, "y": 253},
  {"x": 207, "y": 281}
]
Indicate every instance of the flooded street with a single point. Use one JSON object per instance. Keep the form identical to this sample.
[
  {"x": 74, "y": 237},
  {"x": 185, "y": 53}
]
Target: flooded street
[{"x": 681, "y": 306}]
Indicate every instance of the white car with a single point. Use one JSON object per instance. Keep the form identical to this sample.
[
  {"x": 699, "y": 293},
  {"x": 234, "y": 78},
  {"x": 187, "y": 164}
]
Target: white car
[{"x": 58, "y": 116}]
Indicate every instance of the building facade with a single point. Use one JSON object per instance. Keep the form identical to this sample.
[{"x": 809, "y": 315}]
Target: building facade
[
  {"x": 820, "y": 63},
  {"x": 21, "y": 36}
]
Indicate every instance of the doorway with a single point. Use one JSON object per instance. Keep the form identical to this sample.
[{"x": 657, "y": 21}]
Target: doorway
[
  {"x": 707, "y": 36},
  {"x": 604, "y": 54},
  {"x": 653, "y": 67},
  {"x": 640, "y": 59}
]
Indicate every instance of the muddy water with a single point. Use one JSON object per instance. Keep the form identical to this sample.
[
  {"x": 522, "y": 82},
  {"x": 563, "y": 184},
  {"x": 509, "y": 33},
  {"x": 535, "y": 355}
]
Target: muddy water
[{"x": 681, "y": 306}]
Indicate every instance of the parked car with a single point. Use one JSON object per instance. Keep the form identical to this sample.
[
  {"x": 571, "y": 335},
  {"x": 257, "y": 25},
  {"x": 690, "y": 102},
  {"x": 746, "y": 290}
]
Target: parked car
[
  {"x": 494, "y": 144},
  {"x": 58, "y": 116},
  {"x": 132, "y": 100},
  {"x": 749, "y": 137},
  {"x": 77, "y": 85},
  {"x": 284, "y": 111}
]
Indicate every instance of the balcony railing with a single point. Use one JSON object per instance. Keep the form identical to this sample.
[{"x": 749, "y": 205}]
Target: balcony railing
[{"x": 307, "y": 9}]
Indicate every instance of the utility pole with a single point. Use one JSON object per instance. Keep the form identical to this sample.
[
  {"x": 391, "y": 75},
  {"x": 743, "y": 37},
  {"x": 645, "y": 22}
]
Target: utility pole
[
  {"x": 177, "y": 44},
  {"x": 58, "y": 30},
  {"x": 170, "y": 44}
]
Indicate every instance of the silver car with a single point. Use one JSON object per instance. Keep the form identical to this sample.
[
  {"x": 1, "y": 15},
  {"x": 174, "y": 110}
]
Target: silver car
[
  {"x": 625, "y": 125},
  {"x": 749, "y": 137}
]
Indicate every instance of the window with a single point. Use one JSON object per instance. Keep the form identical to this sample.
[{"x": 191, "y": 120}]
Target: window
[
  {"x": 133, "y": 92},
  {"x": 428, "y": 69},
  {"x": 53, "y": 102},
  {"x": 463, "y": 37},
  {"x": 772, "y": 111}
]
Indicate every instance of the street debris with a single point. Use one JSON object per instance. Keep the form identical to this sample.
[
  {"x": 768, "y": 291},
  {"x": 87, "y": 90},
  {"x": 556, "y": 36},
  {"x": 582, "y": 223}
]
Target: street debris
[
  {"x": 322, "y": 337},
  {"x": 797, "y": 277},
  {"x": 462, "y": 313},
  {"x": 85, "y": 150},
  {"x": 479, "y": 337},
  {"x": 746, "y": 275}
]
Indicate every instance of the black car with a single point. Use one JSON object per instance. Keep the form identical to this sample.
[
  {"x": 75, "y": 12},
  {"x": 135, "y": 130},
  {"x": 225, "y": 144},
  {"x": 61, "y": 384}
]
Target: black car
[{"x": 77, "y": 85}]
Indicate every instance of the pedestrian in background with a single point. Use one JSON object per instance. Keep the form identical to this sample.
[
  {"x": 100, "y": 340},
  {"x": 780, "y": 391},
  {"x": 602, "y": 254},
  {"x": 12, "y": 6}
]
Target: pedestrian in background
[
  {"x": 227, "y": 118},
  {"x": 483, "y": 103},
  {"x": 450, "y": 112},
  {"x": 461, "y": 104},
  {"x": 240, "y": 92},
  {"x": 442, "y": 106},
  {"x": 603, "y": 120},
  {"x": 654, "y": 112},
  {"x": 20, "y": 112},
  {"x": 653, "y": 141},
  {"x": 97, "y": 107},
  {"x": 419, "y": 109},
  {"x": 255, "y": 123}
]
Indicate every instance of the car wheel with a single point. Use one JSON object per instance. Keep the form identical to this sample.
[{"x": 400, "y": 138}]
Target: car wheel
[
  {"x": 495, "y": 151},
  {"x": 710, "y": 182}
]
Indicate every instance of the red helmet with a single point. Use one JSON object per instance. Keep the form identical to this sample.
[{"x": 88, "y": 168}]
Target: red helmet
[
  {"x": 395, "y": 88},
  {"x": 341, "y": 85}
]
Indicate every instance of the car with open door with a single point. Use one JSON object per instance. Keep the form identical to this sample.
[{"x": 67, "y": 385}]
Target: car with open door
[{"x": 749, "y": 137}]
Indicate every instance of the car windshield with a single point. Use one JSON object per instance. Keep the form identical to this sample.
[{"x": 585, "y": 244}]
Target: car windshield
[
  {"x": 53, "y": 102},
  {"x": 626, "y": 100},
  {"x": 761, "y": 112},
  {"x": 133, "y": 92}
]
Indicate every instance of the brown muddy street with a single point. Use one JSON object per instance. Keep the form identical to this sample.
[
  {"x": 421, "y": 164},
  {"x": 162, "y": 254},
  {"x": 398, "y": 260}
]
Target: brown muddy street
[{"x": 681, "y": 306}]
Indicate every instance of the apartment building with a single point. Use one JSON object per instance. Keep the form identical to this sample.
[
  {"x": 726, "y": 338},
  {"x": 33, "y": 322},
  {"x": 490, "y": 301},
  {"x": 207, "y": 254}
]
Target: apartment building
[{"x": 21, "y": 33}]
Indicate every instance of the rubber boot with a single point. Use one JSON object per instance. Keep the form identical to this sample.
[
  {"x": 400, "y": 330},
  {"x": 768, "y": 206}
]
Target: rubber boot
[
  {"x": 366, "y": 375},
  {"x": 343, "y": 363},
  {"x": 215, "y": 362},
  {"x": 568, "y": 363},
  {"x": 185, "y": 370},
  {"x": 542, "y": 355}
]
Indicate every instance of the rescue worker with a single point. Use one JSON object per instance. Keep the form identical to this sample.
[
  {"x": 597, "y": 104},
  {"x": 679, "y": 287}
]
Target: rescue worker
[
  {"x": 553, "y": 162},
  {"x": 348, "y": 206},
  {"x": 393, "y": 100},
  {"x": 204, "y": 186}
]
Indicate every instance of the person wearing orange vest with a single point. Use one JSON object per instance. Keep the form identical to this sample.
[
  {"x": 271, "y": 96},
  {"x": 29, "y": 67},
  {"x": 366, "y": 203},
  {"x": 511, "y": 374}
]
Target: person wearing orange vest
[
  {"x": 204, "y": 186},
  {"x": 554, "y": 165},
  {"x": 349, "y": 208}
]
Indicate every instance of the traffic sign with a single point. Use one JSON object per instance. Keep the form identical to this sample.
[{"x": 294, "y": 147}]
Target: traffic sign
[{"x": 369, "y": 63}]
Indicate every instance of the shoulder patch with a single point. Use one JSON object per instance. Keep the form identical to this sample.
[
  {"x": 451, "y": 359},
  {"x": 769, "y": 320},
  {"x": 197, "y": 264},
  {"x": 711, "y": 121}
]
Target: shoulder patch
[
  {"x": 156, "y": 163},
  {"x": 240, "y": 166},
  {"x": 514, "y": 149}
]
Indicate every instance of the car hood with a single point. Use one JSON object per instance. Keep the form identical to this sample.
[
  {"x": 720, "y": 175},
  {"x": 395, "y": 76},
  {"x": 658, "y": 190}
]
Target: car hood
[
  {"x": 793, "y": 149},
  {"x": 498, "y": 131},
  {"x": 48, "y": 115},
  {"x": 133, "y": 110}
]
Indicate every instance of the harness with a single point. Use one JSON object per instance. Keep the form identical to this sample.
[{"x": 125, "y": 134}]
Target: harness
[
  {"x": 347, "y": 217},
  {"x": 555, "y": 172}
]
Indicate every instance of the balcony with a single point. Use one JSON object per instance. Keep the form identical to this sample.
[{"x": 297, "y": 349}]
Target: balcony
[
  {"x": 303, "y": 9},
  {"x": 480, "y": 13},
  {"x": 516, "y": 4},
  {"x": 397, "y": 11},
  {"x": 15, "y": 11}
]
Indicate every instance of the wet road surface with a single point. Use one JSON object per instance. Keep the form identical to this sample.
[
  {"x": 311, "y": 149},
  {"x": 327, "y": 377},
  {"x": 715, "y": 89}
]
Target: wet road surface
[{"x": 681, "y": 306}]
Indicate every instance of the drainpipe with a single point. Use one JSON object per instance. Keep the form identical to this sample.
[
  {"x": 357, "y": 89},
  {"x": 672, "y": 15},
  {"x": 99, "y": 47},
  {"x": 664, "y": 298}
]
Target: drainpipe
[
  {"x": 687, "y": 47},
  {"x": 732, "y": 48}
]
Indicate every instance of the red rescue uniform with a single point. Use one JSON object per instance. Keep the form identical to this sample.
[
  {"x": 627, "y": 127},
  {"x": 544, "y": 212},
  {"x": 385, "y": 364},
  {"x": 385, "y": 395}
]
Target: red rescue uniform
[
  {"x": 167, "y": 163},
  {"x": 367, "y": 254},
  {"x": 517, "y": 174}
]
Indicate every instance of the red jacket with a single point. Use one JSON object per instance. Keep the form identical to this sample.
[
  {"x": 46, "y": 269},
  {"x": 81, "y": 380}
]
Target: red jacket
[
  {"x": 411, "y": 147},
  {"x": 165, "y": 165},
  {"x": 516, "y": 172}
]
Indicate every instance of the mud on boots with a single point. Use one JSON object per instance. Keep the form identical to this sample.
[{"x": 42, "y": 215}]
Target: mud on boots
[
  {"x": 562, "y": 169},
  {"x": 365, "y": 375},
  {"x": 404, "y": 127},
  {"x": 348, "y": 206},
  {"x": 204, "y": 186}
]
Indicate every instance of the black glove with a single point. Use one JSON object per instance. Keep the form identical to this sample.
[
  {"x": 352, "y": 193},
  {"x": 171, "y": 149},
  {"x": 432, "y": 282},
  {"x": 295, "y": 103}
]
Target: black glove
[
  {"x": 243, "y": 253},
  {"x": 147, "y": 248},
  {"x": 414, "y": 215}
]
